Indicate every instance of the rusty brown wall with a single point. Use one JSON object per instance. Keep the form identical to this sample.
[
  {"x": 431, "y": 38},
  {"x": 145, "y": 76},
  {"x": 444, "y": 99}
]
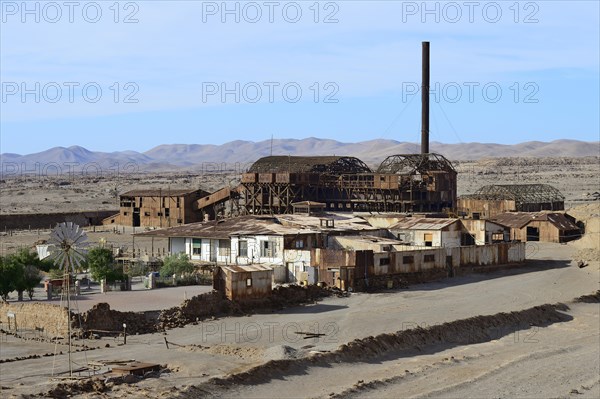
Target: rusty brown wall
[
  {"x": 262, "y": 283},
  {"x": 486, "y": 208}
]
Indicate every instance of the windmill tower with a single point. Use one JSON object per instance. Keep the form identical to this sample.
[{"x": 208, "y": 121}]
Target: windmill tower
[{"x": 71, "y": 247}]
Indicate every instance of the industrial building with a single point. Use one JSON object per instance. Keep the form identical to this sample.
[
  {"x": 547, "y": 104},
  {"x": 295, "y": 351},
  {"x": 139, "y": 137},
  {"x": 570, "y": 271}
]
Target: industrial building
[
  {"x": 157, "y": 208},
  {"x": 277, "y": 184},
  {"x": 424, "y": 182},
  {"x": 492, "y": 200}
]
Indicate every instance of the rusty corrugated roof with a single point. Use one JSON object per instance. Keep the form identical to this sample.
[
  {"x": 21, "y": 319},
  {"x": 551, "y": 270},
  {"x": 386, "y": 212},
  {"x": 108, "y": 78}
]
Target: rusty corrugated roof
[
  {"x": 242, "y": 225},
  {"x": 164, "y": 192},
  {"x": 246, "y": 268},
  {"x": 423, "y": 224},
  {"x": 521, "y": 219}
]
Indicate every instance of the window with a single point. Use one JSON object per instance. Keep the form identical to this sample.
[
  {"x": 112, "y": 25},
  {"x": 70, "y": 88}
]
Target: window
[
  {"x": 196, "y": 246},
  {"x": 248, "y": 282},
  {"x": 243, "y": 248},
  {"x": 224, "y": 246},
  {"x": 180, "y": 221},
  {"x": 497, "y": 237},
  {"x": 384, "y": 261},
  {"x": 146, "y": 213},
  {"x": 167, "y": 212},
  {"x": 178, "y": 202},
  {"x": 125, "y": 213},
  {"x": 428, "y": 238},
  {"x": 429, "y": 258},
  {"x": 159, "y": 214},
  {"x": 299, "y": 244},
  {"x": 408, "y": 259},
  {"x": 267, "y": 249}
]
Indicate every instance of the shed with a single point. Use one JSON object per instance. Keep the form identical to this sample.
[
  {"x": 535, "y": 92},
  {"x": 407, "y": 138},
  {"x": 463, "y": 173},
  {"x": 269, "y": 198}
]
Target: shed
[
  {"x": 432, "y": 232},
  {"x": 239, "y": 283},
  {"x": 540, "y": 226},
  {"x": 492, "y": 200}
]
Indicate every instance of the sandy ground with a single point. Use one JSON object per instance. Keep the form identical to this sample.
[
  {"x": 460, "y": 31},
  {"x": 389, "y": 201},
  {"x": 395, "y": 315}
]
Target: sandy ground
[
  {"x": 501, "y": 368},
  {"x": 137, "y": 300}
]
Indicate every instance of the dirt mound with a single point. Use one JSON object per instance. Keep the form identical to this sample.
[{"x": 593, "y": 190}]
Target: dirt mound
[
  {"x": 591, "y": 298},
  {"x": 101, "y": 318},
  {"x": 237, "y": 351},
  {"x": 68, "y": 389},
  {"x": 461, "y": 332},
  {"x": 280, "y": 352}
]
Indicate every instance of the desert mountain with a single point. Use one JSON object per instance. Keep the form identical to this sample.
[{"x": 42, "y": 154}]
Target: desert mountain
[{"x": 192, "y": 157}]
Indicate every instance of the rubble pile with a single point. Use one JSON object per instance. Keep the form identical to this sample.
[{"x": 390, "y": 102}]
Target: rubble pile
[
  {"x": 191, "y": 310},
  {"x": 101, "y": 318},
  {"x": 213, "y": 304},
  {"x": 591, "y": 298}
]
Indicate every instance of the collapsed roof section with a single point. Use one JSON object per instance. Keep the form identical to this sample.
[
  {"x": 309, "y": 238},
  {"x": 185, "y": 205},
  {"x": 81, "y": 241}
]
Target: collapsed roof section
[
  {"x": 333, "y": 165},
  {"x": 410, "y": 164},
  {"x": 520, "y": 193}
]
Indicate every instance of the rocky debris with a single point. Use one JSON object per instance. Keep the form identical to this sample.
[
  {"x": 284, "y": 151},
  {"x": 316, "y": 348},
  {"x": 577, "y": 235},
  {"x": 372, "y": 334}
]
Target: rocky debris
[
  {"x": 68, "y": 389},
  {"x": 591, "y": 298},
  {"x": 281, "y": 352},
  {"x": 102, "y": 318},
  {"x": 213, "y": 304},
  {"x": 192, "y": 310}
]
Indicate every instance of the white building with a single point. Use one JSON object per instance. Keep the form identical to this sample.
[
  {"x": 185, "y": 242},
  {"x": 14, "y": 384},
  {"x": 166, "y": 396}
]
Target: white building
[
  {"x": 285, "y": 240},
  {"x": 432, "y": 232}
]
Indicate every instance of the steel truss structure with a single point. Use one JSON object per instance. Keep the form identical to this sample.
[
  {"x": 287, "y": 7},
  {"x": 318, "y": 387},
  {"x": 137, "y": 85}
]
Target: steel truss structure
[
  {"x": 527, "y": 197},
  {"x": 403, "y": 183}
]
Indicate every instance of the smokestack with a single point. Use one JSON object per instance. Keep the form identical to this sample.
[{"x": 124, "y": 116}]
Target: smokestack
[{"x": 425, "y": 100}]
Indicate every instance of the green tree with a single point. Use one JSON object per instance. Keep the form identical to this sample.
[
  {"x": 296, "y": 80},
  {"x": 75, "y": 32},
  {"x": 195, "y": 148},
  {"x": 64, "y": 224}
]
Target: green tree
[
  {"x": 176, "y": 264},
  {"x": 26, "y": 262},
  {"x": 100, "y": 261},
  {"x": 31, "y": 278},
  {"x": 10, "y": 274}
]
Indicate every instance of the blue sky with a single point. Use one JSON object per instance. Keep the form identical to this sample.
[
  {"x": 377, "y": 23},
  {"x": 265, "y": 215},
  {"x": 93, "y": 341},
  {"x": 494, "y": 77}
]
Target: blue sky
[{"x": 158, "y": 72}]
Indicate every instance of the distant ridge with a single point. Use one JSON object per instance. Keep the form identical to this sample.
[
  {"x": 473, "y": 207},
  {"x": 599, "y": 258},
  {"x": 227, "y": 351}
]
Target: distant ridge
[{"x": 191, "y": 157}]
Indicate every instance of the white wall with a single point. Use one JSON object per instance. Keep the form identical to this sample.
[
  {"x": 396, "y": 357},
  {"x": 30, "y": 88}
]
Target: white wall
[
  {"x": 254, "y": 250},
  {"x": 177, "y": 245},
  {"x": 296, "y": 261}
]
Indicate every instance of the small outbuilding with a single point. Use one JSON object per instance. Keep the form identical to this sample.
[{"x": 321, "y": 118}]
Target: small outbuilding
[
  {"x": 540, "y": 226},
  {"x": 490, "y": 201},
  {"x": 239, "y": 283},
  {"x": 432, "y": 232}
]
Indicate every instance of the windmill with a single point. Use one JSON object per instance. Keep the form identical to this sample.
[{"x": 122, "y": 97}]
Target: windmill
[{"x": 71, "y": 247}]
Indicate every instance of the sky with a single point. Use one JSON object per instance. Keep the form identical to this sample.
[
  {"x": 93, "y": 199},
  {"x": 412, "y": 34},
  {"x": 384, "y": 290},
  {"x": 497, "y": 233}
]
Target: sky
[{"x": 131, "y": 75}]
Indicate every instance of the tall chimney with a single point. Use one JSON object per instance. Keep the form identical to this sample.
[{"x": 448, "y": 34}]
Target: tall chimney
[{"x": 425, "y": 100}]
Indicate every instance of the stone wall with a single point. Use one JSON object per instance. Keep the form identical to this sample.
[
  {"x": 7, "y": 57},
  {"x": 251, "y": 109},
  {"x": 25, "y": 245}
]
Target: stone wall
[
  {"x": 47, "y": 220},
  {"x": 36, "y": 316}
]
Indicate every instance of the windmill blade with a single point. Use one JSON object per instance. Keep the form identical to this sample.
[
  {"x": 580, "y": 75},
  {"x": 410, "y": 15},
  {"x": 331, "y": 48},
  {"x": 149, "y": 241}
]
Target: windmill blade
[
  {"x": 81, "y": 239},
  {"x": 57, "y": 231},
  {"x": 71, "y": 241}
]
